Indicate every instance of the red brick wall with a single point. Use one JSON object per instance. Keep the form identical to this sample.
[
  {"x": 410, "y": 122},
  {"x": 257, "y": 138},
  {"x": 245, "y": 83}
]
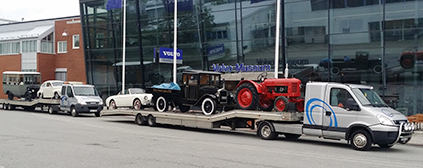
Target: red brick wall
[
  {"x": 9, "y": 63},
  {"x": 46, "y": 66}
]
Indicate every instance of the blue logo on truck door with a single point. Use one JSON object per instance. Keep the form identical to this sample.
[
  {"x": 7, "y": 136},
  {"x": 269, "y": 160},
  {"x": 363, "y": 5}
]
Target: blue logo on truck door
[{"x": 325, "y": 107}]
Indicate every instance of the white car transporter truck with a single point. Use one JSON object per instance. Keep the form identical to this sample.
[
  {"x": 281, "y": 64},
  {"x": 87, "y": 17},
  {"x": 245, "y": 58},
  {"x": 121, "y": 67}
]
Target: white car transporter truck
[{"x": 331, "y": 110}]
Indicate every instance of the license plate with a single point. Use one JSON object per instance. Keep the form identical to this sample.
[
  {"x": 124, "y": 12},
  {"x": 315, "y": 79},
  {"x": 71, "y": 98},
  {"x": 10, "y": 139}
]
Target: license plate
[{"x": 93, "y": 110}]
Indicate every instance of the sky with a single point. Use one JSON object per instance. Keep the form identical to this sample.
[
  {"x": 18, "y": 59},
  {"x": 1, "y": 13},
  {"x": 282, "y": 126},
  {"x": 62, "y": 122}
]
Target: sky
[{"x": 38, "y": 9}]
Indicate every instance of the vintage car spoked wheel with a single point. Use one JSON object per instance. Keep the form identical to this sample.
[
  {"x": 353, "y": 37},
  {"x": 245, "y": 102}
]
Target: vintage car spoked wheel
[
  {"x": 335, "y": 70},
  {"x": 137, "y": 104},
  {"x": 361, "y": 140},
  {"x": 281, "y": 103},
  {"x": 208, "y": 106},
  {"x": 247, "y": 97},
  {"x": 162, "y": 104},
  {"x": 112, "y": 105}
]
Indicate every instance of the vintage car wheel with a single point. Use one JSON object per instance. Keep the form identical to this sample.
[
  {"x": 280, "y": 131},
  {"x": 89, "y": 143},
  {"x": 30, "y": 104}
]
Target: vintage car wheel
[
  {"x": 266, "y": 131},
  {"x": 247, "y": 97},
  {"x": 137, "y": 104},
  {"x": 10, "y": 95},
  {"x": 281, "y": 103},
  {"x": 162, "y": 104},
  {"x": 208, "y": 106},
  {"x": 361, "y": 140},
  {"x": 377, "y": 69},
  {"x": 56, "y": 95},
  {"x": 112, "y": 105},
  {"x": 407, "y": 61},
  {"x": 334, "y": 70}
]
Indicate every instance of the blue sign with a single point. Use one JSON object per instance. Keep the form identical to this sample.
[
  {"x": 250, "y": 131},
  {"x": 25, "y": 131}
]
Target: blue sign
[
  {"x": 216, "y": 50},
  {"x": 113, "y": 4},
  {"x": 166, "y": 55},
  {"x": 183, "y": 5},
  {"x": 241, "y": 68}
]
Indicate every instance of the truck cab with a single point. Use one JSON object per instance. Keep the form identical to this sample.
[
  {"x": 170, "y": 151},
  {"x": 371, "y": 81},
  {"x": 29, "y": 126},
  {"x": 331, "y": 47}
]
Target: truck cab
[
  {"x": 355, "y": 113},
  {"x": 80, "y": 98}
]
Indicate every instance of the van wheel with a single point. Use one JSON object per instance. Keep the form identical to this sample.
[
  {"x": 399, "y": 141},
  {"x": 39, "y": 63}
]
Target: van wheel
[
  {"x": 73, "y": 112},
  {"x": 281, "y": 103},
  {"x": 361, "y": 140},
  {"x": 140, "y": 120},
  {"x": 162, "y": 104},
  {"x": 137, "y": 104},
  {"x": 151, "y": 121},
  {"x": 266, "y": 131},
  {"x": 208, "y": 106}
]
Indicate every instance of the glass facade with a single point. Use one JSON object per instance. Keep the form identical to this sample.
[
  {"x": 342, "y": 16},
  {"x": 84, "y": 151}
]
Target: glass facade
[{"x": 373, "y": 42}]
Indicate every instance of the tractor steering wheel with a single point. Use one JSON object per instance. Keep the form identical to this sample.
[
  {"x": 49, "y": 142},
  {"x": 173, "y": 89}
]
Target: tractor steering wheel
[{"x": 262, "y": 76}]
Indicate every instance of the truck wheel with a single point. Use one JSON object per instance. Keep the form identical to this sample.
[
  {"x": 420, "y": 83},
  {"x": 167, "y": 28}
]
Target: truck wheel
[
  {"x": 407, "y": 61},
  {"x": 361, "y": 140},
  {"x": 247, "y": 97},
  {"x": 377, "y": 69},
  {"x": 140, "y": 120},
  {"x": 183, "y": 108},
  {"x": 151, "y": 121},
  {"x": 208, "y": 106},
  {"x": 112, "y": 104},
  {"x": 50, "y": 110},
  {"x": 97, "y": 114},
  {"x": 281, "y": 103},
  {"x": 73, "y": 112},
  {"x": 386, "y": 145},
  {"x": 291, "y": 136},
  {"x": 162, "y": 104},
  {"x": 334, "y": 70},
  {"x": 266, "y": 131},
  {"x": 10, "y": 95},
  {"x": 137, "y": 104},
  {"x": 266, "y": 105}
]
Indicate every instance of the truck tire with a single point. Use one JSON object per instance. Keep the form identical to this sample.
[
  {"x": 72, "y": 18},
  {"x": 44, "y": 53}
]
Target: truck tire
[
  {"x": 281, "y": 103},
  {"x": 407, "y": 61},
  {"x": 334, "y": 70},
  {"x": 140, "y": 120},
  {"x": 73, "y": 112},
  {"x": 208, "y": 106},
  {"x": 51, "y": 110},
  {"x": 361, "y": 140},
  {"x": 266, "y": 131},
  {"x": 183, "y": 108},
  {"x": 162, "y": 104},
  {"x": 112, "y": 105},
  {"x": 151, "y": 121},
  {"x": 247, "y": 97},
  {"x": 137, "y": 104},
  {"x": 291, "y": 136}
]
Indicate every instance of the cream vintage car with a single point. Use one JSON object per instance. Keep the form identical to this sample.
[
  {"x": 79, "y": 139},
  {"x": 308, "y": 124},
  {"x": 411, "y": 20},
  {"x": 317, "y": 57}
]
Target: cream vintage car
[{"x": 135, "y": 98}]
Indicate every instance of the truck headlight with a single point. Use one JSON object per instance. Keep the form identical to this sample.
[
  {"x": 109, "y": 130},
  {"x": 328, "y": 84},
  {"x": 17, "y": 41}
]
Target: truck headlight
[{"x": 384, "y": 120}]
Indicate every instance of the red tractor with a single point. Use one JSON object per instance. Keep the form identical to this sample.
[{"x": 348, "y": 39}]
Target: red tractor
[{"x": 269, "y": 94}]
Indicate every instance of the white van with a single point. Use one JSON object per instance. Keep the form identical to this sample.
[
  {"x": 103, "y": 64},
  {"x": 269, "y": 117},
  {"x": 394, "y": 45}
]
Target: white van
[{"x": 80, "y": 98}]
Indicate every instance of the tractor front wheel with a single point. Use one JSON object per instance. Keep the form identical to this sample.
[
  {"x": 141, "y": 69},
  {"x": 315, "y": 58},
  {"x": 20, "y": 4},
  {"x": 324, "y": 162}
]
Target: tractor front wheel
[{"x": 247, "y": 97}]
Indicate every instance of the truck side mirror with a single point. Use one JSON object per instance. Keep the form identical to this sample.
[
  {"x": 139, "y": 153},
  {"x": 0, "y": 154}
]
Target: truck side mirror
[{"x": 352, "y": 105}]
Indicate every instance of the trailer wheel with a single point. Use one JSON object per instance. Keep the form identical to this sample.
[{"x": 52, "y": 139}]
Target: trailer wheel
[
  {"x": 162, "y": 104},
  {"x": 208, "y": 106},
  {"x": 266, "y": 131},
  {"x": 291, "y": 136},
  {"x": 361, "y": 140},
  {"x": 151, "y": 121},
  {"x": 50, "y": 110},
  {"x": 386, "y": 145},
  {"x": 73, "y": 112},
  {"x": 407, "y": 61},
  {"x": 112, "y": 104},
  {"x": 247, "y": 97},
  {"x": 140, "y": 120},
  {"x": 137, "y": 104},
  {"x": 281, "y": 103},
  {"x": 183, "y": 108}
]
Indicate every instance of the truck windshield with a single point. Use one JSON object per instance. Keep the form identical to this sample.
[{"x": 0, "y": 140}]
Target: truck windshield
[
  {"x": 368, "y": 97},
  {"x": 85, "y": 91}
]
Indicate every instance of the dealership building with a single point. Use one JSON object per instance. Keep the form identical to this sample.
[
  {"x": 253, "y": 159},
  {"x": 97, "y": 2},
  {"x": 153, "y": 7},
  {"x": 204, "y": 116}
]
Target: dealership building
[{"x": 370, "y": 42}]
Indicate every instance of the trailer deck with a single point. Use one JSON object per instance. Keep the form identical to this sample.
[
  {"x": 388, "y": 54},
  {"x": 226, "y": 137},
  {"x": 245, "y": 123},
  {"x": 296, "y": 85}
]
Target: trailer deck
[{"x": 29, "y": 105}]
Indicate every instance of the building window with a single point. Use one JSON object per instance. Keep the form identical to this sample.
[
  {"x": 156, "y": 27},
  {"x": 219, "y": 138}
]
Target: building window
[
  {"x": 62, "y": 47},
  {"x": 75, "y": 42},
  {"x": 29, "y": 46},
  {"x": 47, "y": 44},
  {"x": 9, "y": 48}
]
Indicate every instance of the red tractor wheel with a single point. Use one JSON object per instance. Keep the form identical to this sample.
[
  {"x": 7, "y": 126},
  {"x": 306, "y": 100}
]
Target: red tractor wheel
[
  {"x": 266, "y": 105},
  {"x": 247, "y": 97},
  {"x": 281, "y": 103},
  {"x": 299, "y": 106}
]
